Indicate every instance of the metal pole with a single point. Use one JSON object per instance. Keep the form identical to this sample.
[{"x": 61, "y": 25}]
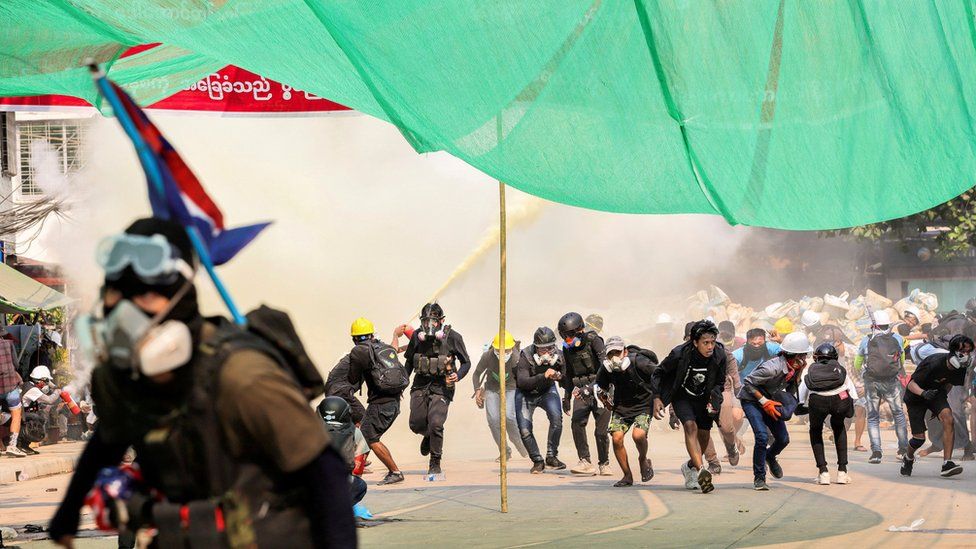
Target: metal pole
[{"x": 502, "y": 276}]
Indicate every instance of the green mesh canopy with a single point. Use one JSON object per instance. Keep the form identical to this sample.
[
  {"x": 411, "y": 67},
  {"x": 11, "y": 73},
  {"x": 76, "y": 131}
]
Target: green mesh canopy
[{"x": 779, "y": 113}]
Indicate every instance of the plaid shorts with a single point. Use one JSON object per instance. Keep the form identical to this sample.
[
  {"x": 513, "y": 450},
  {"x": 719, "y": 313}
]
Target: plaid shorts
[{"x": 622, "y": 424}]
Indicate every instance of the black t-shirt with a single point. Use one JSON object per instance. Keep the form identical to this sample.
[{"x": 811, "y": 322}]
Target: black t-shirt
[
  {"x": 360, "y": 363},
  {"x": 632, "y": 393},
  {"x": 693, "y": 385},
  {"x": 935, "y": 373}
]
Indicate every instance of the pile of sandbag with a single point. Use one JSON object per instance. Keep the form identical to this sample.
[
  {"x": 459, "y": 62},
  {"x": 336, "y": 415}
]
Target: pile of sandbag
[{"x": 851, "y": 315}]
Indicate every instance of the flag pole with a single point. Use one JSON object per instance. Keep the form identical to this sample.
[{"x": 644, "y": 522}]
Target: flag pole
[
  {"x": 155, "y": 177},
  {"x": 502, "y": 290}
]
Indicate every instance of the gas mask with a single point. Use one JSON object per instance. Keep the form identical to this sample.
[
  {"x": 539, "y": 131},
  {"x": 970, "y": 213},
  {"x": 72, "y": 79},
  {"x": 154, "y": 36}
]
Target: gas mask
[
  {"x": 46, "y": 389},
  {"x": 131, "y": 340},
  {"x": 572, "y": 342},
  {"x": 544, "y": 358},
  {"x": 617, "y": 363},
  {"x": 431, "y": 327},
  {"x": 960, "y": 360}
]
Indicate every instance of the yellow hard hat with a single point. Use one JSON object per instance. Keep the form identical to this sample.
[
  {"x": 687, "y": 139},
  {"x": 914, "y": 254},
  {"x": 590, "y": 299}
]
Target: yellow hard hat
[
  {"x": 509, "y": 342},
  {"x": 361, "y": 327},
  {"x": 783, "y": 326}
]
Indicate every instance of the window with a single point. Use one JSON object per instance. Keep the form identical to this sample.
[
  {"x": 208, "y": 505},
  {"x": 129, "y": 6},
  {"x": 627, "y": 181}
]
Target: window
[{"x": 64, "y": 136}]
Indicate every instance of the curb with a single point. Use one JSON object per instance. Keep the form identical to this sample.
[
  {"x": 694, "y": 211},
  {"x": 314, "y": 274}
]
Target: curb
[{"x": 20, "y": 469}]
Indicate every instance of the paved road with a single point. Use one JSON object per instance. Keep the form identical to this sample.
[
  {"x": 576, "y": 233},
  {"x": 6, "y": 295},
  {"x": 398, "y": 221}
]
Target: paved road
[{"x": 556, "y": 509}]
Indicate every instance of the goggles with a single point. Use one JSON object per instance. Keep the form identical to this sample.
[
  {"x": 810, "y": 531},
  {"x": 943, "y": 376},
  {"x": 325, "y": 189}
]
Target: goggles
[{"x": 152, "y": 258}]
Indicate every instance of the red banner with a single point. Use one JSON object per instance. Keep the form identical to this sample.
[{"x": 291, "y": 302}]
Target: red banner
[{"x": 232, "y": 90}]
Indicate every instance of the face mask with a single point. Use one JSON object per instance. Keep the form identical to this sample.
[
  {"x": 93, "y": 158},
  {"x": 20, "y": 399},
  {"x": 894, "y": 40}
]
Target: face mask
[
  {"x": 547, "y": 359},
  {"x": 960, "y": 360},
  {"x": 130, "y": 340},
  {"x": 46, "y": 389},
  {"x": 617, "y": 364}
]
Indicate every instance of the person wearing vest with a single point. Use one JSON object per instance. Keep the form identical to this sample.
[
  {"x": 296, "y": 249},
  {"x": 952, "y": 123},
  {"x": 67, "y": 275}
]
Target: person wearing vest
[
  {"x": 627, "y": 372},
  {"x": 437, "y": 358},
  {"x": 827, "y": 391},
  {"x": 880, "y": 361},
  {"x": 691, "y": 379},
  {"x": 487, "y": 392},
  {"x": 583, "y": 352},
  {"x": 928, "y": 391},
  {"x": 539, "y": 367},
  {"x": 764, "y": 397},
  {"x": 369, "y": 360},
  {"x": 229, "y": 450}
]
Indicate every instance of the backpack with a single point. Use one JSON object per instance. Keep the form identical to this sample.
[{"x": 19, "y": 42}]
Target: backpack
[
  {"x": 826, "y": 376},
  {"x": 275, "y": 329},
  {"x": 637, "y": 377},
  {"x": 884, "y": 357},
  {"x": 389, "y": 376}
]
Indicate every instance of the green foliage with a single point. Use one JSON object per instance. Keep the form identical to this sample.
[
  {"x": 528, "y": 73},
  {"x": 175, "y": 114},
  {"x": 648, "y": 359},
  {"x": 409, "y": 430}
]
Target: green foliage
[{"x": 953, "y": 223}]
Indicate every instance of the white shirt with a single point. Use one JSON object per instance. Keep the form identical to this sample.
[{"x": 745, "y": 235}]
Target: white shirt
[{"x": 805, "y": 392}]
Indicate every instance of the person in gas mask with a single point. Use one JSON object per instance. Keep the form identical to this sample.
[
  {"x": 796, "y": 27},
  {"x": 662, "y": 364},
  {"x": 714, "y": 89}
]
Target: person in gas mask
[
  {"x": 691, "y": 379},
  {"x": 928, "y": 391},
  {"x": 539, "y": 368},
  {"x": 627, "y": 375},
  {"x": 583, "y": 352},
  {"x": 220, "y": 427},
  {"x": 487, "y": 392},
  {"x": 376, "y": 363},
  {"x": 39, "y": 399},
  {"x": 438, "y": 359}
]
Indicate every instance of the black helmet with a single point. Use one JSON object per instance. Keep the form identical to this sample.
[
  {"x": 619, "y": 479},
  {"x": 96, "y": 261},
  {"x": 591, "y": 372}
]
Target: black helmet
[
  {"x": 335, "y": 410},
  {"x": 701, "y": 328},
  {"x": 958, "y": 341},
  {"x": 432, "y": 310},
  {"x": 570, "y": 324},
  {"x": 825, "y": 351},
  {"x": 544, "y": 337}
]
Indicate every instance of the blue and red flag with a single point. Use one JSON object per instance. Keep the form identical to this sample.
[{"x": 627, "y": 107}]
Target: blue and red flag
[{"x": 182, "y": 197}]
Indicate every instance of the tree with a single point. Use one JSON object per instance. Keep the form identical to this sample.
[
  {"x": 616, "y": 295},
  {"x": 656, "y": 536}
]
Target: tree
[{"x": 952, "y": 226}]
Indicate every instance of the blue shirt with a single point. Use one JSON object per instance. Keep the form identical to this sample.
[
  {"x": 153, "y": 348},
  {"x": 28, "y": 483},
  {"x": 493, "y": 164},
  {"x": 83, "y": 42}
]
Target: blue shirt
[{"x": 772, "y": 348}]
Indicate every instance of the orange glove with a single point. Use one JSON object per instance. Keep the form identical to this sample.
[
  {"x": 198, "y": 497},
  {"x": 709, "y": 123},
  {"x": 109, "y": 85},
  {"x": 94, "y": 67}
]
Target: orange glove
[{"x": 769, "y": 406}]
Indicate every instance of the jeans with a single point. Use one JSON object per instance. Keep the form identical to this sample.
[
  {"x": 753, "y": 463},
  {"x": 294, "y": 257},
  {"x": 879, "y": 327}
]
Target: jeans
[
  {"x": 893, "y": 393},
  {"x": 525, "y": 406},
  {"x": 760, "y": 421},
  {"x": 493, "y": 413},
  {"x": 357, "y": 487},
  {"x": 582, "y": 409}
]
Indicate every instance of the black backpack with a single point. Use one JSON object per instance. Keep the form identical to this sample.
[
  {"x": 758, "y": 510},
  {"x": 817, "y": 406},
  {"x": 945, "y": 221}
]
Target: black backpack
[
  {"x": 389, "y": 376},
  {"x": 826, "y": 376},
  {"x": 884, "y": 357}
]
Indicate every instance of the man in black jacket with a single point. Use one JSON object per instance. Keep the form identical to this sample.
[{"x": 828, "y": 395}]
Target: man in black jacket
[
  {"x": 627, "y": 371},
  {"x": 539, "y": 368},
  {"x": 584, "y": 354},
  {"x": 691, "y": 379},
  {"x": 438, "y": 359}
]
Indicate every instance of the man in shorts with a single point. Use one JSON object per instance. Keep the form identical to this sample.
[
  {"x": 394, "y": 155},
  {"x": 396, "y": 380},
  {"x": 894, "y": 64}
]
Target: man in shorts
[
  {"x": 627, "y": 373},
  {"x": 928, "y": 390}
]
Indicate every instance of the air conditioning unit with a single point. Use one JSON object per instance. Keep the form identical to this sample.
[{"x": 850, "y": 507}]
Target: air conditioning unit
[{"x": 8, "y": 160}]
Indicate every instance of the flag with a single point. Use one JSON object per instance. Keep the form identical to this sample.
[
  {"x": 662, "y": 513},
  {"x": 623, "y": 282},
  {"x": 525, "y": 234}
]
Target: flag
[{"x": 182, "y": 197}]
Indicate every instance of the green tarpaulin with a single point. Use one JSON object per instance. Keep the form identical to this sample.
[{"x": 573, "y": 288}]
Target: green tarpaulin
[
  {"x": 796, "y": 114},
  {"x": 20, "y": 293}
]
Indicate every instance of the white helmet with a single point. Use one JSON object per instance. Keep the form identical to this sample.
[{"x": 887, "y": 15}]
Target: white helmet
[
  {"x": 41, "y": 373},
  {"x": 664, "y": 318},
  {"x": 881, "y": 318},
  {"x": 796, "y": 343},
  {"x": 810, "y": 318},
  {"x": 913, "y": 310}
]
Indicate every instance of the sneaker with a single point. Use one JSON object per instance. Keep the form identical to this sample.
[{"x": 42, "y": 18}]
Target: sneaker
[
  {"x": 775, "y": 468},
  {"x": 715, "y": 468},
  {"x": 968, "y": 457},
  {"x": 425, "y": 446},
  {"x": 508, "y": 456},
  {"x": 16, "y": 452},
  {"x": 705, "y": 481},
  {"x": 734, "y": 457},
  {"x": 823, "y": 478},
  {"x": 760, "y": 485},
  {"x": 875, "y": 457},
  {"x": 553, "y": 462},
  {"x": 32, "y": 452},
  {"x": 843, "y": 478},
  {"x": 435, "y": 466},
  {"x": 647, "y": 470},
  {"x": 605, "y": 470},
  {"x": 691, "y": 478},
  {"x": 902, "y": 452},
  {"x": 906, "y": 466},
  {"x": 538, "y": 467},
  {"x": 391, "y": 478},
  {"x": 584, "y": 467},
  {"x": 949, "y": 468}
]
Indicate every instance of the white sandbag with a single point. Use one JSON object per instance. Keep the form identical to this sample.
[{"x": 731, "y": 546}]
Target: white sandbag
[{"x": 876, "y": 301}]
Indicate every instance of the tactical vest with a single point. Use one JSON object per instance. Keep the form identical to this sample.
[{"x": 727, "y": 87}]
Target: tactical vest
[
  {"x": 433, "y": 362},
  {"x": 214, "y": 499},
  {"x": 581, "y": 364}
]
